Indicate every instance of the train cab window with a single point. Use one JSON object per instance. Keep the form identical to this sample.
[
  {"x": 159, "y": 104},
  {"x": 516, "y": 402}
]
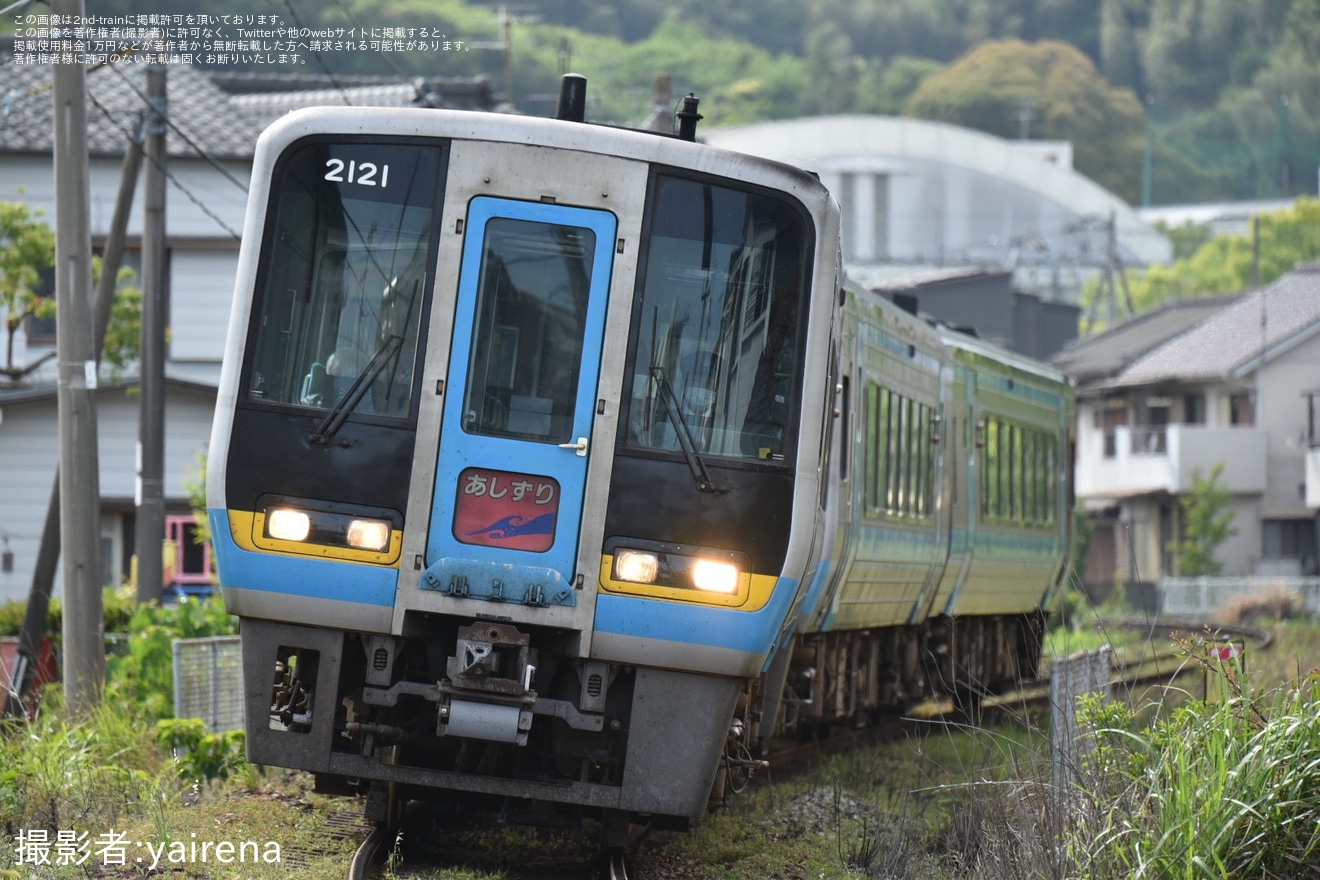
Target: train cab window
[
  {"x": 348, "y": 251},
  {"x": 532, "y": 300},
  {"x": 716, "y": 340}
]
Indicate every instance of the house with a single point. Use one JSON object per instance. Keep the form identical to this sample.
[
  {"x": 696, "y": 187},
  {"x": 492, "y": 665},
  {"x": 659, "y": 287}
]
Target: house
[
  {"x": 1170, "y": 395},
  {"x": 985, "y": 302},
  {"x": 214, "y": 123}
]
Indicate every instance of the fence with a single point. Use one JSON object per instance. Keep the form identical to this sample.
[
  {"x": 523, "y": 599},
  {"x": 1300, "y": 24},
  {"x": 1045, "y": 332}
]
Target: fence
[
  {"x": 1202, "y": 597},
  {"x": 1070, "y": 678},
  {"x": 208, "y": 682}
]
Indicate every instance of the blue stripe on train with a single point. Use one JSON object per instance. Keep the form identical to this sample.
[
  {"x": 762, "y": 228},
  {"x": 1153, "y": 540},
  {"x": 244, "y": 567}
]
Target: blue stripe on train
[
  {"x": 299, "y": 575},
  {"x": 753, "y": 632}
]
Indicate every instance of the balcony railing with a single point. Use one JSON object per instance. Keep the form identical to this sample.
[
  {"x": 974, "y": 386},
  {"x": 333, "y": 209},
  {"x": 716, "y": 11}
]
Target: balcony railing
[{"x": 1165, "y": 458}]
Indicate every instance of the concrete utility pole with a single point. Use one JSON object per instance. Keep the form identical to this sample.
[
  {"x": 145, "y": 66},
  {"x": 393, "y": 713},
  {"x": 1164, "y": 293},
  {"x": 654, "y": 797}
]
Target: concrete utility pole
[
  {"x": 23, "y": 671},
  {"x": 151, "y": 433},
  {"x": 80, "y": 499}
]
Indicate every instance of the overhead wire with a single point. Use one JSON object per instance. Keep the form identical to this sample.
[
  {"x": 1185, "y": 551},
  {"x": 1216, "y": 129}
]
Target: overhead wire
[
  {"x": 110, "y": 117},
  {"x": 183, "y": 136}
]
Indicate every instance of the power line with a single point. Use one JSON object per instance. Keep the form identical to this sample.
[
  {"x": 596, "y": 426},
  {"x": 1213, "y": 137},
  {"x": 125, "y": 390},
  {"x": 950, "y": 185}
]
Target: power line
[
  {"x": 317, "y": 55},
  {"x": 214, "y": 163},
  {"x": 170, "y": 176}
]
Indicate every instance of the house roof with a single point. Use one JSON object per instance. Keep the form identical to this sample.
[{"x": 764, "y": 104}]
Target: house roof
[
  {"x": 212, "y": 112},
  {"x": 1106, "y": 354},
  {"x": 116, "y": 93},
  {"x": 1236, "y": 339},
  {"x": 37, "y": 392}
]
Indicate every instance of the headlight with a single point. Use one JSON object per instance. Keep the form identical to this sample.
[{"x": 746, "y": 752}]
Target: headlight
[
  {"x": 369, "y": 534},
  {"x": 637, "y": 566},
  {"x": 683, "y": 567},
  {"x": 369, "y": 530},
  {"x": 715, "y": 576},
  {"x": 287, "y": 524}
]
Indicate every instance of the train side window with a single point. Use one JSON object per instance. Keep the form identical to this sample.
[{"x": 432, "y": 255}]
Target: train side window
[
  {"x": 1018, "y": 473},
  {"x": 898, "y": 459},
  {"x": 845, "y": 424}
]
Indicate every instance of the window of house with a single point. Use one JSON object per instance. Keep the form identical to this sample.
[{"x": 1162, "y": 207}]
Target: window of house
[
  {"x": 1242, "y": 408},
  {"x": 1288, "y": 538},
  {"x": 1111, "y": 418},
  {"x": 41, "y": 331},
  {"x": 1194, "y": 409}
]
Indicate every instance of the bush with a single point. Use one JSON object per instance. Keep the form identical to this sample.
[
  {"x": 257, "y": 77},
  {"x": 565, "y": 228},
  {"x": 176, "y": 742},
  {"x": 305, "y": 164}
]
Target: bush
[
  {"x": 199, "y": 754},
  {"x": 117, "y": 608},
  {"x": 145, "y": 673},
  {"x": 1226, "y": 788},
  {"x": 1276, "y": 603},
  {"x": 56, "y": 773}
]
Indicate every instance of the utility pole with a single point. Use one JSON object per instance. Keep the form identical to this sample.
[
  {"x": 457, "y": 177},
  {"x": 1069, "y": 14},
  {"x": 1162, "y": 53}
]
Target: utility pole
[
  {"x": 80, "y": 498},
  {"x": 151, "y": 433},
  {"x": 22, "y": 673}
]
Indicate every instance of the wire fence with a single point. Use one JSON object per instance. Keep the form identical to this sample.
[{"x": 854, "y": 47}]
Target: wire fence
[
  {"x": 1088, "y": 672},
  {"x": 208, "y": 682}
]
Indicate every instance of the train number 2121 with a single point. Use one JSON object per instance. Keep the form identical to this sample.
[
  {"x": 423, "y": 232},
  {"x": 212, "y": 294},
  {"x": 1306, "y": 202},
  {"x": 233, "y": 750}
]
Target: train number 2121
[{"x": 361, "y": 173}]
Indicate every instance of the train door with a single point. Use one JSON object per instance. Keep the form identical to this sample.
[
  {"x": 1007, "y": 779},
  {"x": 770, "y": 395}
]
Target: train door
[{"x": 520, "y": 401}]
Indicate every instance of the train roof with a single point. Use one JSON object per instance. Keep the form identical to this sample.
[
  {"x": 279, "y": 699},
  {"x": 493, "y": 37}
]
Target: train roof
[
  {"x": 539, "y": 131},
  {"x": 961, "y": 343}
]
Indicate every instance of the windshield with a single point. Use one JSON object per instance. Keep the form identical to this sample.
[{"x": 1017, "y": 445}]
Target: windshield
[
  {"x": 345, "y": 278},
  {"x": 717, "y": 320}
]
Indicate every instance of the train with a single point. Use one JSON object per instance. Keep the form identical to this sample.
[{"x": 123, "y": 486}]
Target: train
[{"x": 558, "y": 468}]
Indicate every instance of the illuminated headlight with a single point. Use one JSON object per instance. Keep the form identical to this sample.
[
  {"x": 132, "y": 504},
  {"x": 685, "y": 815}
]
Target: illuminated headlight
[
  {"x": 369, "y": 534},
  {"x": 685, "y": 568},
  {"x": 287, "y": 524},
  {"x": 287, "y": 520},
  {"x": 636, "y": 566},
  {"x": 715, "y": 576}
]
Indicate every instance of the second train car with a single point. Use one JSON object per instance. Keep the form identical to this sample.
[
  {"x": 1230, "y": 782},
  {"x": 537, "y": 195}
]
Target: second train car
[{"x": 556, "y": 468}]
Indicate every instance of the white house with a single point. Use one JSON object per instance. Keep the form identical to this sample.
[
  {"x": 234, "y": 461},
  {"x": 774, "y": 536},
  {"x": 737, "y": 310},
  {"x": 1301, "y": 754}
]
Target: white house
[{"x": 1229, "y": 388}]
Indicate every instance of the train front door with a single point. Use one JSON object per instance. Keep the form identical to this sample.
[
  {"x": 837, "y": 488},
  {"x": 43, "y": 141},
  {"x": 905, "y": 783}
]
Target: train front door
[{"x": 519, "y": 402}]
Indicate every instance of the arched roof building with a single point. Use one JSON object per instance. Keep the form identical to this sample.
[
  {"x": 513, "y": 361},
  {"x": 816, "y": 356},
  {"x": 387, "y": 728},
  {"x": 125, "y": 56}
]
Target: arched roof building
[{"x": 916, "y": 192}]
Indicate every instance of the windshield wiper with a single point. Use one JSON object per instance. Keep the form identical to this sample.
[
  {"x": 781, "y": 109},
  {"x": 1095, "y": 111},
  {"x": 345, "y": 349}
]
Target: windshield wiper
[
  {"x": 683, "y": 431},
  {"x": 334, "y": 420}
]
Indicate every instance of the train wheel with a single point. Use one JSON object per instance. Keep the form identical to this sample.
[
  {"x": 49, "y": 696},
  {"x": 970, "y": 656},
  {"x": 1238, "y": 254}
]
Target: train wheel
[{"x": 613, "y": 863}]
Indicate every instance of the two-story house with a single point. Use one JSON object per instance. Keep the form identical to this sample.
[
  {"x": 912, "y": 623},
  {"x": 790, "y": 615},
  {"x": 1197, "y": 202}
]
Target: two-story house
[{"x": 1227, "y": 388}]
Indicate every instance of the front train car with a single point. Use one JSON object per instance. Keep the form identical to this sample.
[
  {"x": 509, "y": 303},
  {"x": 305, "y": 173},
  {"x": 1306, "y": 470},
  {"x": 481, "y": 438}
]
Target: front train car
[{"x": 517, "y": 454}]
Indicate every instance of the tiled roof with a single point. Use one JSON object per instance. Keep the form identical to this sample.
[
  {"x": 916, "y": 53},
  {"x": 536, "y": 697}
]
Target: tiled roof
[
  {"x": 217, "y": 113},
  {"x": 115, "y": 98},
  {"x": 1106, "y": 354},
  {"x": 1231, "y": 341}
]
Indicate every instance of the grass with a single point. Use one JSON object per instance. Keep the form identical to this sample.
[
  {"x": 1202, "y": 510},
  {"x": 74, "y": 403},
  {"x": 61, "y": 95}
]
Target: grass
[{"x": 947, "y": 803}]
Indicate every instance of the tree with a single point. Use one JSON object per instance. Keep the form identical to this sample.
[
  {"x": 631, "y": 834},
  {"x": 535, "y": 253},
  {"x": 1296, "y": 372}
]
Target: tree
[
  {"x": 27, "y": 246},
  {"x": 1062, "y": 94},
  {"x": 1206, "y": 524},
  {"x": 1228, "y": 263}
]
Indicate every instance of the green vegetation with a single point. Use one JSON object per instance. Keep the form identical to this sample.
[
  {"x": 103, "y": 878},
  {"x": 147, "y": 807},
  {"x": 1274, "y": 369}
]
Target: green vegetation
[
  {"x": 1206, "y": 524},
  {"x": 27, "y": 245},
  {"x": 1000, "y": 87},
  {"x": 27, "y": 251},
  {"x": 144, "y": 673},
  {"x": 1228, "y": 787},
  {"x": 947, "y": 803}
]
